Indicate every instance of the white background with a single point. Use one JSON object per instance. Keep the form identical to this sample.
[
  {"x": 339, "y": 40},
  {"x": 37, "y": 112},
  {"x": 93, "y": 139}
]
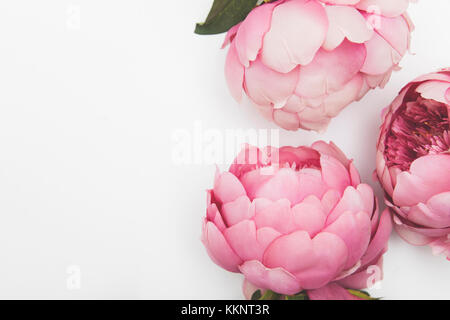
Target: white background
[{"x": 91, "y": 93}]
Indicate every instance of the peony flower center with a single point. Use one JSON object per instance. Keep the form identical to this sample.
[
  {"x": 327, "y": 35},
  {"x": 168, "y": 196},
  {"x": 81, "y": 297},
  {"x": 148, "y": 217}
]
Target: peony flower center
[{"x": 419, "y": 128}]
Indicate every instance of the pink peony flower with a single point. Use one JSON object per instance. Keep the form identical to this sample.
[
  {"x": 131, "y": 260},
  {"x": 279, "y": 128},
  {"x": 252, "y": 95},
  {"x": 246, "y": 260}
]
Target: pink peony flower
[
  {"x": 301, "y": 62},
  {"x": 308, "y": 224},
  {"x": 413, "y": 161}
]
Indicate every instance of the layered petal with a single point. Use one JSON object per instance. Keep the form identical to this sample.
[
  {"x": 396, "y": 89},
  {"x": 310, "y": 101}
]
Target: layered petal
[
  {"x": 386, "y": 8},
  {"x": 251, "y": 32},
  {"x": 218, "y": 248},
  {"x": 331, "y": 70},
  {"x": 345, "y": 22},
  {"x": 276, "y": 279},
  {"x": 302, "y": 61},
  {"x": 286, "y": 45}
]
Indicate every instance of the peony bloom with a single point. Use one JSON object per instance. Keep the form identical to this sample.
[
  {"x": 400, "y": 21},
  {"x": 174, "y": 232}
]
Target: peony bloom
[
  {"x": 413, "y": 161},
  {"x": 301, "y": 62},
  {"x": 308, "y": 224}
]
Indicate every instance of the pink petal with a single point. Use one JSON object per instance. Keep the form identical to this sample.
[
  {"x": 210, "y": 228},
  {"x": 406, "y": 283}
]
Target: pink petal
[
  {"x": 330, "y": 71},
  {"x": 253, "y": 28},
  {"x": 395, "y": 31},
  {"x": 276, "y": 215},
  {"x": 379, "y": 59},
  {"x": 411, "y": 236},
  {"x": 277, "y": 280},
  {"x": 309, "y": 217},
  {"x": 351, "y": 200},
  {"x": 283, "y": 185},
  {"x": 286, "y": 120},
  {"x": 354, "y": 174},
  {"x": 237, "y": 210},
  {"x": 253, "y": 180},
  {"x": 314, "y": 119},
  {"x": 435, "y": 90},
  {"x": 345, "y": 22},
  {"x": 247, "y": 160},
  {"x": 301, "y": 156},
  {"x": 428, "y": 232},
  {"x": 424, "y": 181},
  {"x": 364, "y": 279},
  {"x": 218, "y": 249},
  {"x": 294, "y": 104},
  {"x": 354, "y": 229},
  {"x": 383, "y": 173},
  {"x": 330, "y": 255},
  {"x": 367, "y": 195},
  {"x": 213, "y": 215},
  {"x": 379, "y": 241},
  {"x": 331, "y": 150},
  {"x": 230, "y": 35},
  {"x": 336, "y": 101},
  {"x": 293, "y": 252},
  {"x": 330, "y": 199},
  {"x": 434, "y": 214},
  {"x": 388, "y": 8},
  {"x": 268, "y": 87},
  {"x": 310, "y": 183},
  {"x": 334, "y": 174},
  {"x": 440, "y": 206},
  {"x": 228, "y": 188},
  {"x": 247, "y": 242},
  {"x": 287, "y": 44}
]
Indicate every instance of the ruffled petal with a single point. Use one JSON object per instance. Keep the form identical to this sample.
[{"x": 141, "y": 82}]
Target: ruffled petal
[
  {"x": 345, "y": 22},
  {"x": 286, "y": 44}
]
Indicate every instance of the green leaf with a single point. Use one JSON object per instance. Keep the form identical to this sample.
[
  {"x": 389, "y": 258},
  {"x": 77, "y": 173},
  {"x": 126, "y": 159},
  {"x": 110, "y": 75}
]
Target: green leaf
[
  {"x": 256, "y": 295},
  {"x": 270, "y": 295},
  {"x": 299, "y": 296},
  {"x": 225, "y": 14},
  {"x": 361, "y": 294}
]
